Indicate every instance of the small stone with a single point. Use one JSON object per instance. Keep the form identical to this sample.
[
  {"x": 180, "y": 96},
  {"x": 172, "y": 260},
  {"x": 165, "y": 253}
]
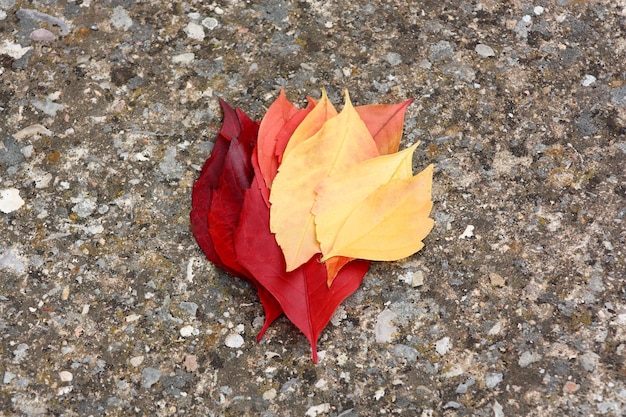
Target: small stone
[
  {"x": 406, "y": 352},
  {"x": 570, "y": 387},
  {"x": 210, "y": 23},
  {"x": 384, "y": 330},
  {"x": 463, "y": 387},
  {"x": 42, "y": 35},
  {"x": 194, "y": 31},
  {"x": 496, "y": 280},
  {"x": 528, "y": 358},
  {"x": 498, "y": 411},
  {"x": 183, "y": 59},
  {"x": 468, "y": 232},
  {"x": 417, "y": 279},
  {"x": 538, "y": 10},
  {"x": 589, "y": 361},
  {"x": 394, "y": 59},
  {"x": 316, "y": 410},
  {"x": 189, "y": 307},
  {"x": 492, "y": 380},
  {"x": 270, "y": 394},
  {"x": 191, "y": 363},
  {"x": 120, "y": 19},
  {"x": 66, "y": 376},
  {"x": 442, "y": 346},
  {"x": 188, "y": 331},
  {"x": 10, "y": 200},
  {"x": 484, "y": 50},
  {"x": 136, "y": 361},
  {"x": 8, "y": 377},
  {"x": 150, "y": 377},
  {"x": 588, "y": 80},
  {"x": 49, "y": 107},
  {"x": 234, "y": 340},
  {"x": 14, "y": 50}
]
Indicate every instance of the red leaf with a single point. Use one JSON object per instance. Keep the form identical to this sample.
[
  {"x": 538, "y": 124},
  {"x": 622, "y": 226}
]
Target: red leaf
[
  {"x": 303, "y": 293},
  {"x": 233, "y": 181},
  {"x": 205, "y": 185},
  {"x": 217, "y": 198}
]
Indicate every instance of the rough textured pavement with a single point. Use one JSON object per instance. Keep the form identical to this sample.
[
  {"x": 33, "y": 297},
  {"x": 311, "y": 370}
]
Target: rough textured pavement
[{"x": 516, "y": 305}]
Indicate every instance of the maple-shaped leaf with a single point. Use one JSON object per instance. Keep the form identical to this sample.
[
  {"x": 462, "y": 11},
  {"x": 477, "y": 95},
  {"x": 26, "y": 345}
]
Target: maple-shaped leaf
[
  {"x": 342, "y": 141},
  {"x": 303, "y": 294},
  {"x": 375, "y": 209},
  {"x": 217, "y": 198}
]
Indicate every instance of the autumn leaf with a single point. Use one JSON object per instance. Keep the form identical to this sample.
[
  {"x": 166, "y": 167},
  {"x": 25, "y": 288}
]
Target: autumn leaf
[
  {"x": 204, "y": 187},
  {"x": 217, "y": 199},
  {"x": 342, "y": 141},
  {"x": 299, "y": 205},
  {"x": 311, "y": 124},
  {"x": 277, "y": 116},
  {"x": 375, "y": 209},
  {"x": 385, "y": 123},
  {"x": 302, "y": 293}
]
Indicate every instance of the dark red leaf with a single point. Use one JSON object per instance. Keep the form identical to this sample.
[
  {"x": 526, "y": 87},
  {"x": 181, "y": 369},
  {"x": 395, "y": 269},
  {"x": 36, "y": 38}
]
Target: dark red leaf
[
  {"x": 217, "y": 198},
  {"x": 202, "y": 194},
  {"x": 303, "y": 294}
]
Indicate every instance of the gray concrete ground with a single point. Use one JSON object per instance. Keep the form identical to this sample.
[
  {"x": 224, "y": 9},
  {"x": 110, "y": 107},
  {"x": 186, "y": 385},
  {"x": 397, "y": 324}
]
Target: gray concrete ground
[{"x": 516, "y": 306}]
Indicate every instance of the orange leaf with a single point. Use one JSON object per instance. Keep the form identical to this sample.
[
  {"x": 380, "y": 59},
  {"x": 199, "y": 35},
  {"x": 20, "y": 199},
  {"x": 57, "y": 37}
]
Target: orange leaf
[
  {"x": 333, "y": 266},
  {"x": 342, "y": 141},
  {"x": 374, "y": 210},
  {"x": 312, "y": 123},
  {"x": 385, "y": 123},
  {"x": 277, "y": 116}
]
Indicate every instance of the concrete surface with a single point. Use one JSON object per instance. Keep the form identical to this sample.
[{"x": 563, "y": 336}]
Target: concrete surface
[{"x": 516, "y": 305}]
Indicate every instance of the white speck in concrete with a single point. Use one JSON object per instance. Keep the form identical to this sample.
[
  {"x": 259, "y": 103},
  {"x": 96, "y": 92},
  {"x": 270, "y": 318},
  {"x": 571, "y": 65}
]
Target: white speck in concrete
[
  {"x": 14, "y": 50},
  {"x": 469, "y": 232},
  {"x": 184, "y": 59},
  {"x": 10, "y": 200},
  {"x": 120, "y": 19},
  {"x": 210, "y": 23},
  {"x": 316, "y": 410},
  {"x": 194, "y": 31},
  {"x": 234, "y": 340},
  {"x": 492, "y": 380},
  {"x": 588, "y": 80},
  {"x": 188, "y": 331},
  {"x": 443, "y": 345},
  {"x": 484, "y": 50},
  {"x": 66, "y": 376},
  {"x": 384, "y": 330}
]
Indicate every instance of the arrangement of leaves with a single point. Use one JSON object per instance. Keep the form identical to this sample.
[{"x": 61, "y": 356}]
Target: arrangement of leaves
[{"x": 299, "y": 204}]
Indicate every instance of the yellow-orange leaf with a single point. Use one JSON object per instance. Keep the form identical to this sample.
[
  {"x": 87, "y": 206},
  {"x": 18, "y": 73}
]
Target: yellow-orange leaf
[
  {"x": 342, "y": 141},
  {"x": 312, "y": 123},
  {"x": 338, "y": 195},
  {"x": 374, "y": 210}
]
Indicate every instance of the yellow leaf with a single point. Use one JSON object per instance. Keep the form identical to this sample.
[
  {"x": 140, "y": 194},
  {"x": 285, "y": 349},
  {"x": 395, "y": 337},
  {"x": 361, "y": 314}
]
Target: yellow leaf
[
  {"x": 342, "y": 141},
  {"x": 312, "y": 123},
  {"x": 338, "y": 195},
  {"x": 374, "y": 210}
]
